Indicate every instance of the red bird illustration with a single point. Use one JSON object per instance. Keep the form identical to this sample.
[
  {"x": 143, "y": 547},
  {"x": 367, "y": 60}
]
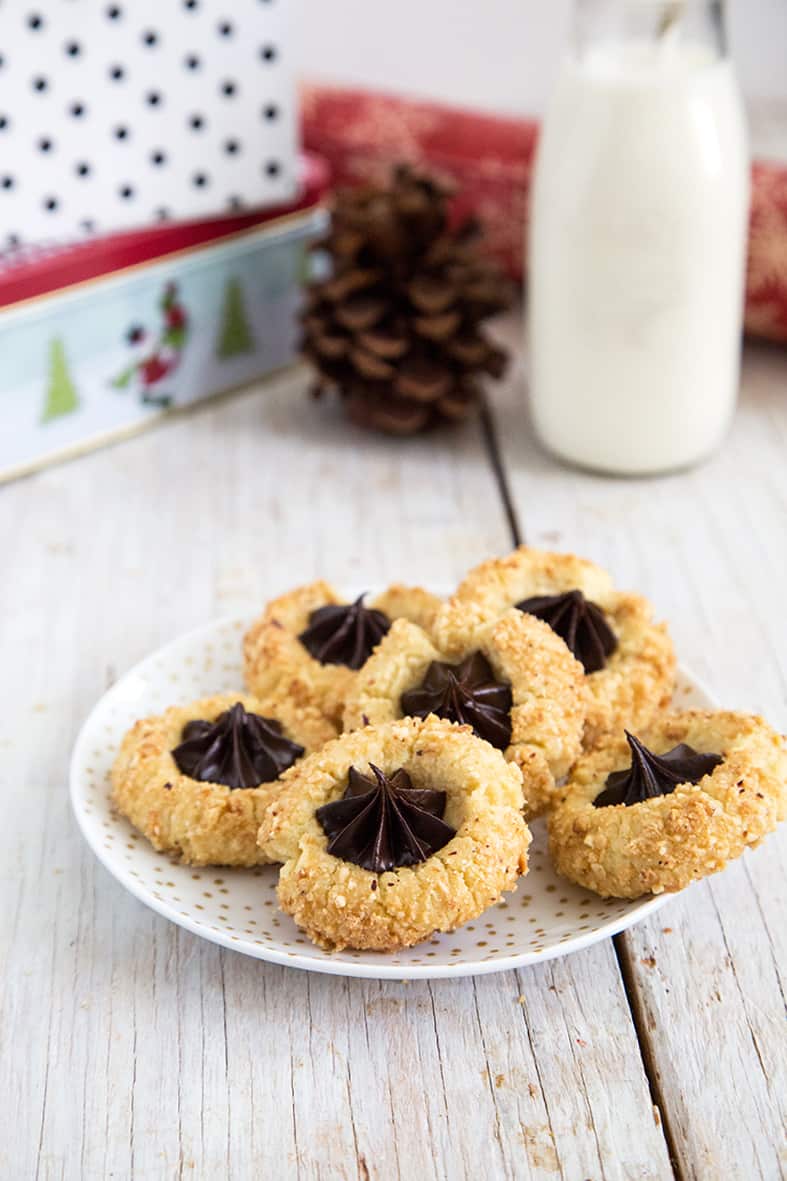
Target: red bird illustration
[{"x": 156, "y": 361}]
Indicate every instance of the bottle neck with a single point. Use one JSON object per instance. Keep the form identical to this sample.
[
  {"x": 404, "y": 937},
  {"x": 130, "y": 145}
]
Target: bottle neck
[{"x": 664, "y": 24}]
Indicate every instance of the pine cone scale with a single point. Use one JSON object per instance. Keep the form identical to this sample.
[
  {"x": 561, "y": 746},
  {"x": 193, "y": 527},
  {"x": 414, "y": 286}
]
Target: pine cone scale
[
  {"x": 360, "y": 313},
  {"x": 469, "y": 350},
  {"x": 437, "y": 327},
  {"x": 431, "y": 295},
  {"x": 333, "y": 348},
  {"x": 382, "y": 344},
  {"x": 368, "y": 365},
  {"x": 338, "y": 289},
  {"x": 422, "y": 381}
]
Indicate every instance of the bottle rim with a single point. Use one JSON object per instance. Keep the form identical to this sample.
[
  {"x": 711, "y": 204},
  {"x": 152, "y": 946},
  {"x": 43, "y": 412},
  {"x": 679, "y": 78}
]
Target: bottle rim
[{"x": 662, "y": 16}]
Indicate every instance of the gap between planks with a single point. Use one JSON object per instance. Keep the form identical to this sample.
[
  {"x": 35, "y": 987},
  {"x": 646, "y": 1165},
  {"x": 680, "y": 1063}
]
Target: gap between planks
[{"x": 623, "y": 955}]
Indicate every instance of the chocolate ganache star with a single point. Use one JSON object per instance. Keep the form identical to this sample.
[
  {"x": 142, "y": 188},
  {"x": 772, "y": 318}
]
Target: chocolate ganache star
[
  {"x": 344, "y": 633},
  {"x": 239, "y": 749},
  {"x": 580, "y": 623},
  {"x": 466, "y": 692},
  {"x": 384, "y": 822},
  {"x": 650, "y": 776}
]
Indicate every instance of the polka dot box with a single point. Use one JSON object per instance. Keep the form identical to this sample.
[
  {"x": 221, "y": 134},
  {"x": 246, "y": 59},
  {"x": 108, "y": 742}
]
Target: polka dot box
[{"x": 131, "y": 113}]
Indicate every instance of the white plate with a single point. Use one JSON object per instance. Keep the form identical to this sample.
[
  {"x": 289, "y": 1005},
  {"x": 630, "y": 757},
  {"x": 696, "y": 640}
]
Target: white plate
[{"x": 545, "y": 916}]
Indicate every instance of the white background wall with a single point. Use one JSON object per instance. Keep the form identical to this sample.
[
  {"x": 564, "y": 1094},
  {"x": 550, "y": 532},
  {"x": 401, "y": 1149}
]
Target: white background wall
[{"x": 494, "y": 54}]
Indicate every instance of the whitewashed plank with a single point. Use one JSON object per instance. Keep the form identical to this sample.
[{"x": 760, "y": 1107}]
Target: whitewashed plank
[
  {"x": 148, "y": 1053},
  {"x": 571, "y": 1024},
  {"x": 709, "y": 548}
]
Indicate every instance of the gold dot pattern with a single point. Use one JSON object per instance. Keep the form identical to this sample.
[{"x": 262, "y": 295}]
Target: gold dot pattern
[{"x": 543, "y": 917}]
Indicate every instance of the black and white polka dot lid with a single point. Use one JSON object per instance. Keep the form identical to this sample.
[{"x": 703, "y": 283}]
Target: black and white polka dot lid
[{"x": 124, "y": 114}]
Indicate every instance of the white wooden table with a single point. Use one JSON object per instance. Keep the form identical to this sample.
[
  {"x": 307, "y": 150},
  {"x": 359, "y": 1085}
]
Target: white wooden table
[{"x": 131, "y": 1049}]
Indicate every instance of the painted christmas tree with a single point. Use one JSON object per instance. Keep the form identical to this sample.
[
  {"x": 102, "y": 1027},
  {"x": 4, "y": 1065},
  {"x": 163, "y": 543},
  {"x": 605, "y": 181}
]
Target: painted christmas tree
[
  {"x": 235, "y": 335},
  {"x": 61, "y": 395}
]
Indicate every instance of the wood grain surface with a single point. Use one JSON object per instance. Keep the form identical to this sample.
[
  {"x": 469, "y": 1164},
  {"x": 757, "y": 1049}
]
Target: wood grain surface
[{"x": 131, "y": 1049}]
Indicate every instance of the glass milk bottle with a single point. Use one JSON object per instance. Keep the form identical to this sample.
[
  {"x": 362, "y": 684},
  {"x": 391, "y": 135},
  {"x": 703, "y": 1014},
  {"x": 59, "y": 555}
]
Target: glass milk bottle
[{"x": 638, "y": 240}]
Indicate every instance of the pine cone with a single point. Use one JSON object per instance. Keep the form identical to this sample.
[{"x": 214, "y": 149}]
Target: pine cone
[{"x": 396, "y": 329}]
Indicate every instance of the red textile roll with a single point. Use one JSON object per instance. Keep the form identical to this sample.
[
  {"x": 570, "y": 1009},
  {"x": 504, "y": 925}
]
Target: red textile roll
[{"x": 490, "y": 159}]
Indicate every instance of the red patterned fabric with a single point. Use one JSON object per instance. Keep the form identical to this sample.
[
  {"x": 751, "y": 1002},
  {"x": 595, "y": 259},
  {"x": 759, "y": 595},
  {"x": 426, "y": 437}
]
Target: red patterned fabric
[
  {"x": 766, "y": 278},
  {"x": 490, "y": 158}
]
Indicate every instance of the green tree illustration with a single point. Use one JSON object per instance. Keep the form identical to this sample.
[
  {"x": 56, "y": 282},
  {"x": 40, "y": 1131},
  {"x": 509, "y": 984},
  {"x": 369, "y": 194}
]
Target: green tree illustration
[
  {"x": 61, "y": 394},
  {"x": 235, "y": 335},
  {"x": 307, "y": 267}
]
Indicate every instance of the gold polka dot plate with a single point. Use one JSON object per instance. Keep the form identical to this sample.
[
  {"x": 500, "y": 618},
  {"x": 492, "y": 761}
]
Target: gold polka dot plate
[{"x": 544, "y": 917}]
